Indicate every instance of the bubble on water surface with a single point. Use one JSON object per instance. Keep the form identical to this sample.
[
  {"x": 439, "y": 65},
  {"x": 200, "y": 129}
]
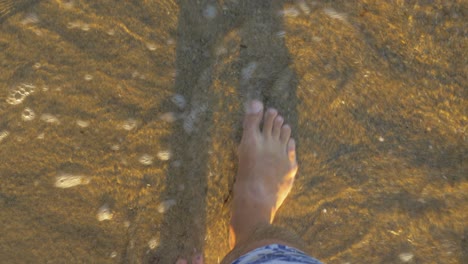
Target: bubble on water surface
[
  {"x": 85, "y": 27},
  {"x": 88, "y": 77},
  {"x": 248, "y": 71},
  {"x": 49, "y": 118},
  {"x": 70, "y": 180},
  {"x": 104, "y": 213},
  {"x": 210, "y": 12},
  {"x": 179, "y": 101},
  {"x": 289, "y": 12},
  {"x": 405, "y": 257},
  {"x": 73, "y": 24},
  {"x": 129, "y": 124},
  {"x": 164, "y": 155},
  {"x": 166, "y": 205},
  {"x": 153, "y": 243},
  {"x": 115, "y": 147},
  {"x": 281, "y": 34},
  {"x": 30, "y": 18},
  {"x": 111, "y": 32},
  {"x": 82, "y": 123},
  {"x": 192, "y": 118},
  {"x": 78, "y": 24},
  {"x": 332, "y": 13},
  {"x": 28, "y": 114},
  {"x": 146, "y": 159},
  {"x": 19, "y": 93},
  {"x": 151, "y": 46},
  {"x": 3, "y": 135}
]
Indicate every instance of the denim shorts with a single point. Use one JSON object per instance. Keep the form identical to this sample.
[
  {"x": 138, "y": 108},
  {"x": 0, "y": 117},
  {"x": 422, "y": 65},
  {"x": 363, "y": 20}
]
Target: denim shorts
[{"x": 276, "y": 254}]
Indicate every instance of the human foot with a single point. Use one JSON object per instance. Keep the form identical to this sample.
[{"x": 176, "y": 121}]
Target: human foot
[{"x": 267, "y": 167}]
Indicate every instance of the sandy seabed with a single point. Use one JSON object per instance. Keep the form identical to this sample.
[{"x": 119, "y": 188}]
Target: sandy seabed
[{"x": 119, "y": 122}]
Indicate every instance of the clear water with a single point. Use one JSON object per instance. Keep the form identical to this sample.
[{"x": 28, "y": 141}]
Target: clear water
[{"x": 119, "y": 122}]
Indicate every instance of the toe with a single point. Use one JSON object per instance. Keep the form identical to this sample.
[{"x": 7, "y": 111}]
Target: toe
[
  {"x": 181, "y": 261},
  {"x": 277, "y": 126},
  {"x": 253, "y": 116},
  {"x": 197, "y": 259},
  {"x": 285, "y": 133},
  {"x": 268, "y": 121},
  {"x": 292, "y": 150}
]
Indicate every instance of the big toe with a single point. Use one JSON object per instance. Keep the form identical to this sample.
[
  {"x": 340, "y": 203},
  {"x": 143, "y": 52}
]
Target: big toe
[{"x": 253, "y": 115}]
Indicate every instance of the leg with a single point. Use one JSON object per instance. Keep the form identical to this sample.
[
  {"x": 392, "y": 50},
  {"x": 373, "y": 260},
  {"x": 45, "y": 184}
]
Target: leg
[{"x": 267, "y": 168}]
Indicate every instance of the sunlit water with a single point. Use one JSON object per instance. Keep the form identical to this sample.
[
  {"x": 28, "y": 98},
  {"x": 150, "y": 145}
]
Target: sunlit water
[{"x": 119, "y": 122}]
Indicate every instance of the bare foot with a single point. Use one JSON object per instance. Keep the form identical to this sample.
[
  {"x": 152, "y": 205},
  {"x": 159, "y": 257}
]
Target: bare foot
[
  {"x": 196, "y": 259},
  {"x": 267, "y": 168}
]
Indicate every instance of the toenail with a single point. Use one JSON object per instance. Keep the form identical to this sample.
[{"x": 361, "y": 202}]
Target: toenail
[
  {"x": 254, "y": 107},
  {"x": 279, "y": 119}
]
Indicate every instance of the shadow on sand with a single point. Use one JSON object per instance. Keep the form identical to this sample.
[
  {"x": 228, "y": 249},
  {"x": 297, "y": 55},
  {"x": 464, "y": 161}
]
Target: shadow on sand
[{"x": 264, "y": 72}]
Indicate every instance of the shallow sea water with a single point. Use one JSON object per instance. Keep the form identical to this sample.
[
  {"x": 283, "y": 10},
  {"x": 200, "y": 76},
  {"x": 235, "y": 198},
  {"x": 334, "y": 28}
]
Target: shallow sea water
[{"x": 119, "y": 122}]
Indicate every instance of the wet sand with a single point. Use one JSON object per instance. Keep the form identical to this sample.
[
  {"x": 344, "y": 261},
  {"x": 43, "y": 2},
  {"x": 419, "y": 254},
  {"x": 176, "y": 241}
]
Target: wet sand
[{"x": 135, "y": 107}]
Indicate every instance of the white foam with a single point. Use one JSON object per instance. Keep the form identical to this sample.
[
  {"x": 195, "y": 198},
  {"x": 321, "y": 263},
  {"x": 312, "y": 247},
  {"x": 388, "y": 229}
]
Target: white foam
[{"x": 28, "y": 114}]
